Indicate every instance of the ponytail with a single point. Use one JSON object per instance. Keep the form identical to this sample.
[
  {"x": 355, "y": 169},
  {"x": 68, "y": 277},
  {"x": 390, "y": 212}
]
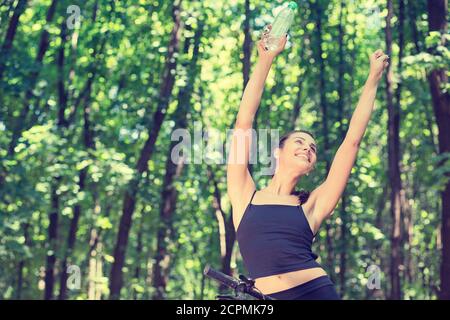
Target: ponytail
[{"x": 302, "y": 195}]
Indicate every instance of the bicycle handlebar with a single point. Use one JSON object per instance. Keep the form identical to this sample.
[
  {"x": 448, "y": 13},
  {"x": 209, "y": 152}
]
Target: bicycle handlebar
[{"x": 244, "y": 285}]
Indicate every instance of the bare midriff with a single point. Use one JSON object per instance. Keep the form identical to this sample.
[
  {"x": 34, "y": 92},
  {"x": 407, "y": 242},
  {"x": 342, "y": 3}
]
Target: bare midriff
[{"x": 285, "y": 281}]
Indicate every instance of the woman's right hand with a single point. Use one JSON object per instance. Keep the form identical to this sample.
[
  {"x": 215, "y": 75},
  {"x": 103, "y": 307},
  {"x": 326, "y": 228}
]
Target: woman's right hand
[
  {"x": 263, "y": 52},
  {"x": 379, "y": 61}
]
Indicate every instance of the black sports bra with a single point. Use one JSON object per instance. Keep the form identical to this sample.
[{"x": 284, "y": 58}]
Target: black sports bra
[{"x": 275, "y": 239}]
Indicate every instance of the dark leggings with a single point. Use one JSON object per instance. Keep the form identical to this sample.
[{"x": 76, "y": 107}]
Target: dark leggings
[{"x": 321, "y": 288}]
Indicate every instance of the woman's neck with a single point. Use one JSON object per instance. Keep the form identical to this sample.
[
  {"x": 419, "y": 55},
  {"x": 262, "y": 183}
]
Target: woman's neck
[{"x": 282, "y": 184}]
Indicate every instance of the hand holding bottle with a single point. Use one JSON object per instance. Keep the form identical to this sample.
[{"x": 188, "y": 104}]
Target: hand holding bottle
[
  {"x": 263, "y": 51},
  {"x": 379, "y": 61}
]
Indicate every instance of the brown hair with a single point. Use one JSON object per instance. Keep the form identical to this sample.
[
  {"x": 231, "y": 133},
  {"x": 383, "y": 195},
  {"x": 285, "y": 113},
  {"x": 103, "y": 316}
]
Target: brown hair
[
  {"x": 287, "y": 135},
  {"x": 302, "y": 194}
]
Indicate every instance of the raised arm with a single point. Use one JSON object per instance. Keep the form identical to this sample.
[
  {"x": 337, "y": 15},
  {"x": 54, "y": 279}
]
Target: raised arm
[
  {"x": 327, "y": 195},
  {"x": 240, "y": 184}
]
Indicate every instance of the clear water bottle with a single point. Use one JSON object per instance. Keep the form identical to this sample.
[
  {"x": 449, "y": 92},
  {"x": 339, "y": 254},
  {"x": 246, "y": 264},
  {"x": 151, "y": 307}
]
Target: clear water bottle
[{"x": 280, "y": 25}]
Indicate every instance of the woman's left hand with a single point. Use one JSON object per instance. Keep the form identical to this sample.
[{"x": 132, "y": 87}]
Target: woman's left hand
[{"x": 378, "y": 62}]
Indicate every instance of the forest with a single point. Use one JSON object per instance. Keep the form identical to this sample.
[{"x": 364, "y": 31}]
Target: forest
[{"x": 95, "y": 96}]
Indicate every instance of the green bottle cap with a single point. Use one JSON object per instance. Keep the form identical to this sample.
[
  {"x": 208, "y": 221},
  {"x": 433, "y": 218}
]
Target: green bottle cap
[{"x": 292, "y": 5}]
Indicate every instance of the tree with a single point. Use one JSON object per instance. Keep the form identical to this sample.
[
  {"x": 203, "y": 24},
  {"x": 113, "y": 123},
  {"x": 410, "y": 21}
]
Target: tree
[
  {"x": 173, "y": 170},
  {"x": 394, "y": 168},
  {"x": 129, "y": 201},
  {"x": 20, "y": 122},
  {"x": 437, "y": 21},
  {"x": 10, "y": 34}
]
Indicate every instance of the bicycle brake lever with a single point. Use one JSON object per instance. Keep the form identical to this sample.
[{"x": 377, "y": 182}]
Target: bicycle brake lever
[{"x": 248, "y": 281}]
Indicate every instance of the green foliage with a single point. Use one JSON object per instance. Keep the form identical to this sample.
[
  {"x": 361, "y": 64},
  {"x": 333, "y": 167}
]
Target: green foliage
[{"x": 89, "y": 164}]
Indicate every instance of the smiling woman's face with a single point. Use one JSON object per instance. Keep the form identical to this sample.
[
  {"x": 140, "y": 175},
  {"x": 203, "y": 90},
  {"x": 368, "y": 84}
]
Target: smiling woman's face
[{"x": 298, "y": 151}]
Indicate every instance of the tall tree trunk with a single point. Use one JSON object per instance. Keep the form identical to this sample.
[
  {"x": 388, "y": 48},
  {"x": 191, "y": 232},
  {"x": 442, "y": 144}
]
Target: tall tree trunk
[
  {"x": 247, "y": 50},
  {"x": 139, "y": 249},
  {"x": 20, "y": 122},
  {"x": 247, "y": 45},
  {"x": 88, "y": 138},
  {"x": 324, "y": 121},
  {"x": 62, "y": 93},
  {"x": 51, "y": 244},
  {"x": 89, "y": 144},
  {"x": 85, "y": 93},
  {"x": 227, "y": 234},
  {"x": 415, "y": 33},
  {"x": 5, "y": 14},
  {"x": 173, "y": 171},
  {"x": 10, "y": 34},
  {"x": 95, "y": 244},
  {"x": 167, "y": 211},
  {"x": 129, "y": 201},
  {"x": 406, "y": 211},
  {"x": 437, "y": 21},
  {"x": 88, "y": 141},
  {"x": 394, "y": 169},
  {"x": 246, "y": 63},
  {"x": 342, "y": 132},
  {"x": 71, "y": 240},
  {"x": 61, "y": 123},
  {"x": 21, "y": 266}
]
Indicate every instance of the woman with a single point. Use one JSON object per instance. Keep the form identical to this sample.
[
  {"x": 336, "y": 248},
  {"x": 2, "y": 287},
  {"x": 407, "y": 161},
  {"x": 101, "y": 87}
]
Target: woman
[{"x": 275, "y": 226}]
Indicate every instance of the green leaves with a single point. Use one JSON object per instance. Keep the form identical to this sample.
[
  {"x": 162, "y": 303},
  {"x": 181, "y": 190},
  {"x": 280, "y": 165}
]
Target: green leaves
[{"x": 112, "y": 76}]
